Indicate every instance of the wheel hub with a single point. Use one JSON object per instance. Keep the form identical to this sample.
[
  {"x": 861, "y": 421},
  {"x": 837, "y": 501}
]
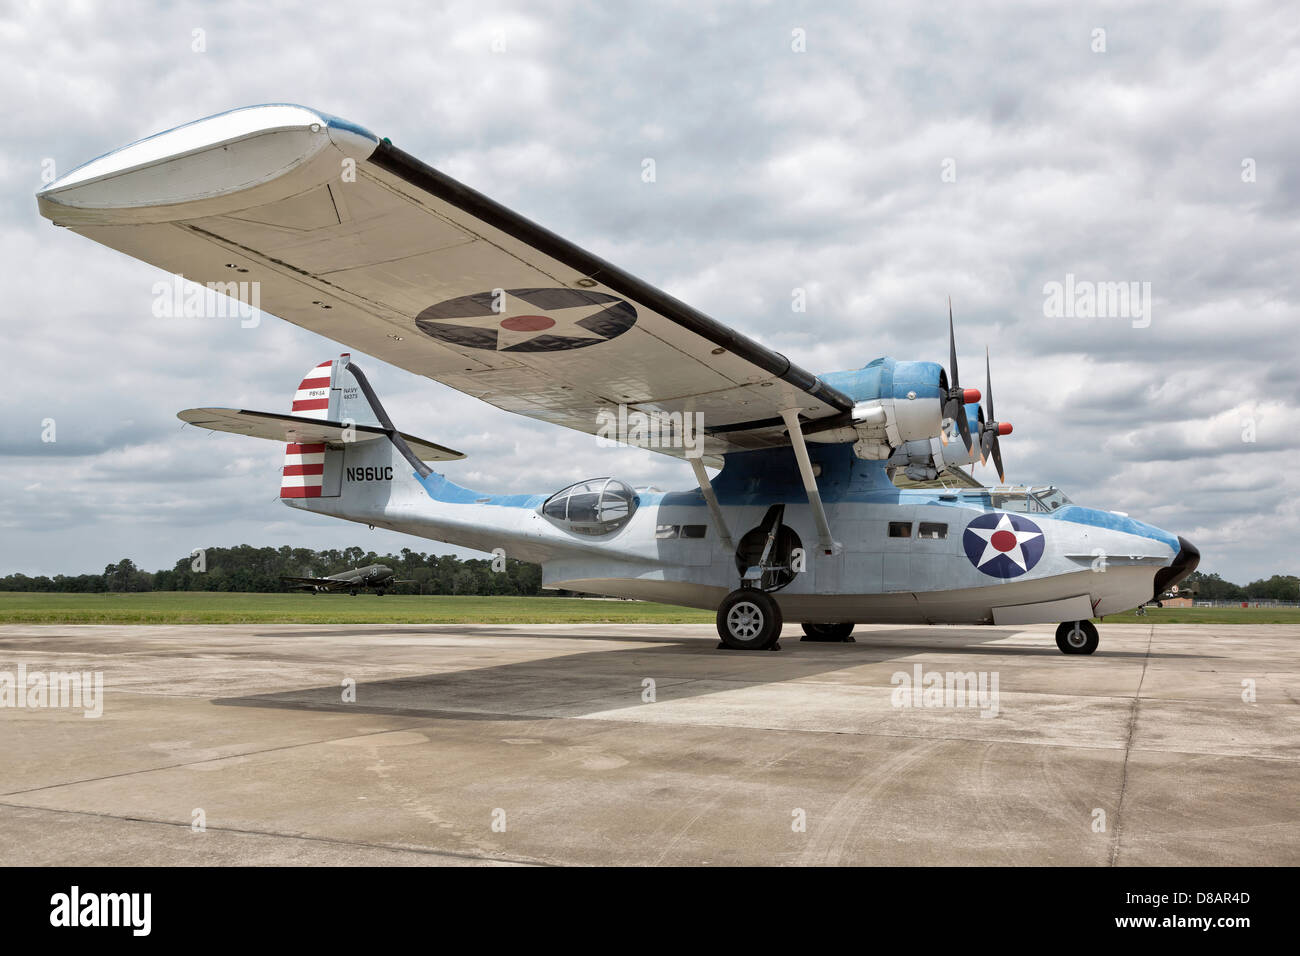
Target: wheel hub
[{"x": 745, "y": 620}]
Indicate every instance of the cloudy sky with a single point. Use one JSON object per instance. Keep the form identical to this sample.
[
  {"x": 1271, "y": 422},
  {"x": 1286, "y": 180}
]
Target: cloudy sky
[{"x": 897, "y": 159}]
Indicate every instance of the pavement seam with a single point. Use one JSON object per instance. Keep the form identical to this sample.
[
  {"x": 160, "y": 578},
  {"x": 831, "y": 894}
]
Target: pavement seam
[
  {"x": 195, "y": 763},
  {"x": 1128, "y": 748},
  {"x": 397, "y": 848}
]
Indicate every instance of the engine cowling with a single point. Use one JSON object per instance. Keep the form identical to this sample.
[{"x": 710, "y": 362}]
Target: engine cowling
[{"x": 895, "y": 403}]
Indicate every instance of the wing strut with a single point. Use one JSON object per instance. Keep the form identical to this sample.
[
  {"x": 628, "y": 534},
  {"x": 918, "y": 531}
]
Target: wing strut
[
  {"x": 394, "y": 435},
  {"x": 824, "y": 541},
  {"x": 706, "y": 489}
]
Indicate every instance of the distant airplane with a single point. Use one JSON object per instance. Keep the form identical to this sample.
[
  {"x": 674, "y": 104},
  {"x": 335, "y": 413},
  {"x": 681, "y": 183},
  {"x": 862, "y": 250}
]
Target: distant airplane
[{"x": 374, "y": 576}]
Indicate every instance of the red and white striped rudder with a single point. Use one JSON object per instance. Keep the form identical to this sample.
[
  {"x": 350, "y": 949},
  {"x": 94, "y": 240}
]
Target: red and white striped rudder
[{"x": 304, "y": 465}]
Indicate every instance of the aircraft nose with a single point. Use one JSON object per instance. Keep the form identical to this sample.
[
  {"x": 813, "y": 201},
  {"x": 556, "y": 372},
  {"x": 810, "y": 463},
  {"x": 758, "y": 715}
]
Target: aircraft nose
[{"x": 1184, "y": 563}]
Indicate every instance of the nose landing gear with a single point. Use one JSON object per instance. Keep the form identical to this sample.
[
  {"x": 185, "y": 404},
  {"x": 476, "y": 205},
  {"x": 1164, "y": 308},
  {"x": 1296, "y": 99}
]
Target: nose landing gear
[{"x": 1076, "y": 637}]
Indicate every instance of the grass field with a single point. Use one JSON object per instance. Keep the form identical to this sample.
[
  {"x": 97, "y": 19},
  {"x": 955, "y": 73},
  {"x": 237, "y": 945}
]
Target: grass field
[
  {"x": 212, "y": 607},
  {"x": 203, "y": 607},
  {"x": 1215, "y": 615}
]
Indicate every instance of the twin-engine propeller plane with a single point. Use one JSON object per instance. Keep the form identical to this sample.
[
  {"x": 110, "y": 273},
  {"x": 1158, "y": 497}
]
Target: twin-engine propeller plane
[
  {"x": 348, "y": 236},
  {"x": 374, "y": 577}
]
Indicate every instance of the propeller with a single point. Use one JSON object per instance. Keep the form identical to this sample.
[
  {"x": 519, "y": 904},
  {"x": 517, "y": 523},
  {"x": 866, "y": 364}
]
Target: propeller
[
  {"x": 955, "y": 402},
  {"x": 990, "y": 428}
]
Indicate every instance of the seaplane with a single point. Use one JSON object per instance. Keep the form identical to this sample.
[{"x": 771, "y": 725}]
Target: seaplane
[{"x": 826, "y": 500}]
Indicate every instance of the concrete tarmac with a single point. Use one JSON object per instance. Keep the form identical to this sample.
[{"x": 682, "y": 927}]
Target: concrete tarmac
[{"x": 643, "y": 744}]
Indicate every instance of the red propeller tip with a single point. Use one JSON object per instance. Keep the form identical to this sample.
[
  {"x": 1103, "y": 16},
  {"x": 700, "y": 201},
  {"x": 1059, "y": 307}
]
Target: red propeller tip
[
  {"x": 971, "y": 396},
  {"x": 1004, "y": 428}
]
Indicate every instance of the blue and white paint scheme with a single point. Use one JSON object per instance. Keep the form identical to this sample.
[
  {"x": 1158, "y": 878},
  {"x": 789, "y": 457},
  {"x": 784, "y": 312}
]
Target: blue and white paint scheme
[{"x": 802, "y": 519}]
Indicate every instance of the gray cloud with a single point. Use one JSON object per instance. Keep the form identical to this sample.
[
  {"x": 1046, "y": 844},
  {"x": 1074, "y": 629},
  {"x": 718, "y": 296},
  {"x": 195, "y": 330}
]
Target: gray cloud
[{"x": 775, "y": 170}]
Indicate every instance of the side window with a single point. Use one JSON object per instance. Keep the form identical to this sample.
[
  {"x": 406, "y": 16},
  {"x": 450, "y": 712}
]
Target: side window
[
  {"x": 665, "y": 531},
  {"x": 932, "y": 529},
  {"x": 900, "y": 529}
]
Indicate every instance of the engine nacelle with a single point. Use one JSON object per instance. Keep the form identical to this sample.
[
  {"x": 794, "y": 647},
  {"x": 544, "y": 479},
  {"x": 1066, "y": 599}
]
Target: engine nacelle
[
  {"x": 922, "y": 459},
  {"x": 896, "y": 403}
]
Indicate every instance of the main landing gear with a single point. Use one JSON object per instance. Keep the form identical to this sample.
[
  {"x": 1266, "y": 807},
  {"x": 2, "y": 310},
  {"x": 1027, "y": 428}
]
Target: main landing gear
[
  {"x": 749, "y": 620},
  {"x": 1076, "y": 637},
  {"x": 829, "y": 633}
]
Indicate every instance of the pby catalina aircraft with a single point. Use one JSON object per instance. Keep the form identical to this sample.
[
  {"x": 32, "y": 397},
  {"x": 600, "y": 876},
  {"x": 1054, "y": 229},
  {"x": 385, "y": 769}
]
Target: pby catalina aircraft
[
  {"x": 377, "y": 577},
  {"x": 341, "y": 232}
]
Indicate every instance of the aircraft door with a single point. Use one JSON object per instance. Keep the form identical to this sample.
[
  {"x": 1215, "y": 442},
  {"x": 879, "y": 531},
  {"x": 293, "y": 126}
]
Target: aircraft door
[{"x": 898, "y": 532}]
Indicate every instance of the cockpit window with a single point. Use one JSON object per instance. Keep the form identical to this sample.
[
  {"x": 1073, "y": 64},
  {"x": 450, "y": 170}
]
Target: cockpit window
[
  {"x": 1037, "y": 500},
  {"x": 594, "y": 507},
  {"x": 1051, "y": 498}
]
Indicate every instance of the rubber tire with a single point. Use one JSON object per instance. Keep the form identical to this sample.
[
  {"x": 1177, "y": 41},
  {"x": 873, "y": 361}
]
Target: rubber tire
[
  {"x": 829, "y": 633},
  {"x": 379, "y": 593},
  {"x": 770, "y": 622},
  {"x": 1089, "y": 644}
]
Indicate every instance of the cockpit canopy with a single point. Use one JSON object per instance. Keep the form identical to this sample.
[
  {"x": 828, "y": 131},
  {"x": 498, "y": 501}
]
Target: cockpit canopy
[
  {"x": 1040, "y": 499},
  {"x": 596, "y": 506}
]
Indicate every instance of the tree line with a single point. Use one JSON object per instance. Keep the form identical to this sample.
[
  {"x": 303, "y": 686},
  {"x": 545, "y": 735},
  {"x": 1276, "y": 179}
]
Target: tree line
[
  {"x": 1211, "y": 587},
  {"x": 246, "y": 568}
]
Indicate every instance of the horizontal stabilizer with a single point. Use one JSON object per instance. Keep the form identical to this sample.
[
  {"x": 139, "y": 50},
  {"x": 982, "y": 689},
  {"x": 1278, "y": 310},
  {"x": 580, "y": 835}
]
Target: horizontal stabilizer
[{"x": 297, "y": 429}]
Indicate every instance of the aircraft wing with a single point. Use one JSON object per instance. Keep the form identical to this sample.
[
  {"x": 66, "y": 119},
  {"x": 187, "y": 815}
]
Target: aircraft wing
[
  {"x": 332, "y": 583},
  {"x": 349, "y": 236}
]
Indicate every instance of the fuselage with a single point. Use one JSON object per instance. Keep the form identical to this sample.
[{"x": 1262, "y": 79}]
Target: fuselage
[
  {"x": 369, "y": 575},
  {"x": 960, "y": 555}
]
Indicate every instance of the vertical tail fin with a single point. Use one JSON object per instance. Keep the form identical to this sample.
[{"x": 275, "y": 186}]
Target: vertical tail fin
[
  {"x": 327, "y": 392},
  {"x": 312, "y": 399}
]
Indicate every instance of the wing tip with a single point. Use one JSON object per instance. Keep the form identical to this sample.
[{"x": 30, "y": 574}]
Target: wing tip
[{"x": 108, "y": 183}]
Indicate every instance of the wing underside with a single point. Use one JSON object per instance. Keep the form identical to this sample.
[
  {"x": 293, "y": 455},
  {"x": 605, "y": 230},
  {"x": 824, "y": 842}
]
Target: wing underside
[{"x": 348, "y": 236}]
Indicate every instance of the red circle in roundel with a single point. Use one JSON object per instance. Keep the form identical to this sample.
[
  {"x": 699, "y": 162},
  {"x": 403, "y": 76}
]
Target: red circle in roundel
[
  {"x": 527, "y": 323},
  {"x": 1003, "y": 540}
]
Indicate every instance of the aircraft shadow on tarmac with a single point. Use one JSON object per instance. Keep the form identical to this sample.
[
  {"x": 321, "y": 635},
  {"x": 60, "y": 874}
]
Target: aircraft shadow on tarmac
[{"x": 592, "y": 682}]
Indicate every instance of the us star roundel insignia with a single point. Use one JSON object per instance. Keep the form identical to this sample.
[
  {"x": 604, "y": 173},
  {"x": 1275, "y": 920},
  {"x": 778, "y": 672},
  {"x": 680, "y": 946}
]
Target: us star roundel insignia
[
  {"x": 528, "y": 320},
  {"x": 1003, "y": 545}
]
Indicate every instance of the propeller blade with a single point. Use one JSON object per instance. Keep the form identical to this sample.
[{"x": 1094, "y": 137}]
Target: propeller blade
[
  {"x": 963, "y": 425},
  {"x": 954, "y": 406},
  {"x": 997, "y": 460},
  {"x": 952, "y": 348},
  {"x": 988, "y": 384},
  {"x": 950, "y": 407}
]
